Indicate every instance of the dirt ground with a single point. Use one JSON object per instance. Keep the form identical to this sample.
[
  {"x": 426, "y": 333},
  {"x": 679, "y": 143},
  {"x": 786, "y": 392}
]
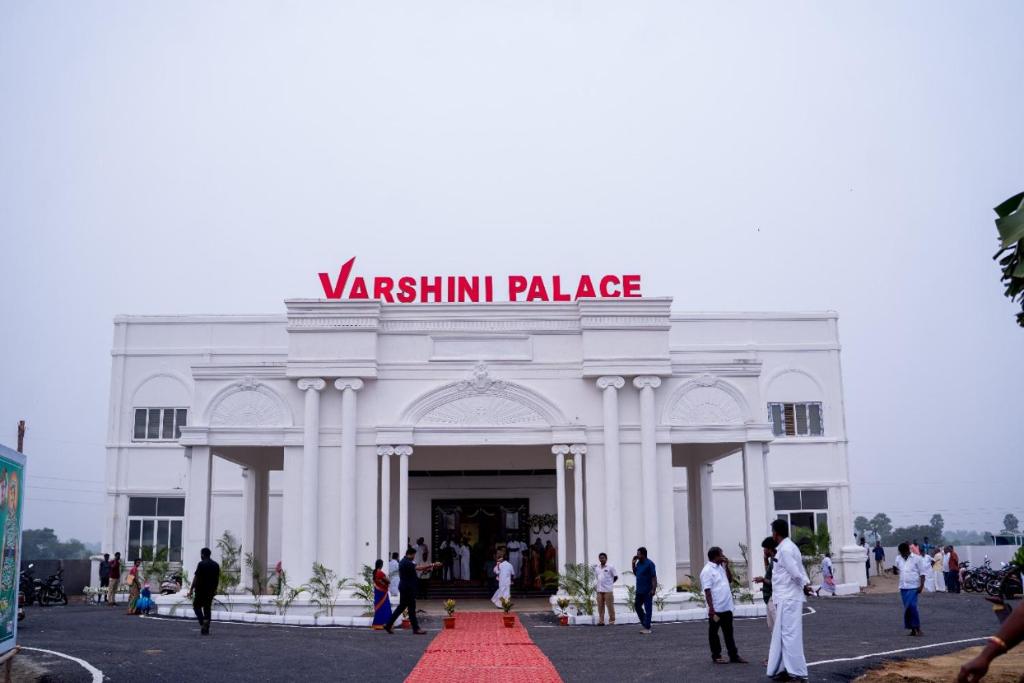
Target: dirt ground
[
  {"x": 942, "y": 669},
  {"x": 886, "y": 583}
]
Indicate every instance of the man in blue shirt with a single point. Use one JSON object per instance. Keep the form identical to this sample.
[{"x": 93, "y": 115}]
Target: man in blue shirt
[
  {"x": 646, "y": 586},
  {"x": 408, "y": 577}
]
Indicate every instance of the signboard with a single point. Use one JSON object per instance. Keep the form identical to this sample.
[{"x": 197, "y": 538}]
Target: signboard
[
  {"x": 12, "y": 483},
  {"x": 405, "y": 289}
]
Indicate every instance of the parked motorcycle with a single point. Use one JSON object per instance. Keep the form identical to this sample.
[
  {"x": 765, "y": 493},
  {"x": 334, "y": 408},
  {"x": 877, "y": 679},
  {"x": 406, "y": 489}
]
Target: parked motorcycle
[
  {"x": 29, "y": 585},
  {"x": 1006, "y": 583},
  {"x": 52, "y": 591},
  {"x": 21, "y": 606}
]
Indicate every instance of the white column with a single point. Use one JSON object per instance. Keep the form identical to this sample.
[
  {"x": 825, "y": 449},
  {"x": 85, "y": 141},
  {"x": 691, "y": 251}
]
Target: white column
[
  {"x": 312, "y": 386},
  {"x": 261, "y": 515},
  {"x": 612, "y": 470},
  {"x": 197, "y": 504},
  {"x": 403, "y": 453},
  {"x": 347, "y": 492},
  {"x": 578, "y": 450},
  {"x": 755, "y": 498},
  {"x": 560, "y": 451},
  {"x": 385, "y": 453},
  {"x": 667, "y": 510},
  {"x": 248, "y": 539},
  {"x": 699, "y": 511},
  {"x": 649, "y": 463}
]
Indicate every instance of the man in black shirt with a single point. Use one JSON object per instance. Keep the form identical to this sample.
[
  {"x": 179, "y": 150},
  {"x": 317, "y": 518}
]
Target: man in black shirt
[
  {"x": 408, "y": 581},
  {"x": 203, "y": 588}
]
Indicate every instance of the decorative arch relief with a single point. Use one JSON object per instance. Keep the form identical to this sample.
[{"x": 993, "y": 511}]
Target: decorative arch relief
[
  {"x": 249, "y": 403},
  {"x": 483, "y": 410},
  {"x": 704, "y": 402},
  {"x": 482, "y": 401}
]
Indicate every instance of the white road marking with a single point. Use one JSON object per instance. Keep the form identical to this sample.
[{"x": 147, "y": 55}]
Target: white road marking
[
  {"x": 896, "y": 652},
  {"x": 97, "y": 675}
]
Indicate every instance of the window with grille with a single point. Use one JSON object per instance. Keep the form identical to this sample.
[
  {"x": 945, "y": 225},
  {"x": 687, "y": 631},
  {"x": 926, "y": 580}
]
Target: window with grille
[
  {"x": 159, "y": 424},
  {"x": 154, "y": 526},
  {"x": 803, "y": 509},
  {"x": 796, "y": 419}
]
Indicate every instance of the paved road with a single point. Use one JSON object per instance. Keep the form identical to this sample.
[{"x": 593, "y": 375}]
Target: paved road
[{"x": 132, "y": 648}]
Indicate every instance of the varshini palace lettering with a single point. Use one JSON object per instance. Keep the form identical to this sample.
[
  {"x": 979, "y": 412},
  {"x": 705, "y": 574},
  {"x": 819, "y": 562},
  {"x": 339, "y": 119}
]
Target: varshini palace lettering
[{"x": 475, "y": 288}]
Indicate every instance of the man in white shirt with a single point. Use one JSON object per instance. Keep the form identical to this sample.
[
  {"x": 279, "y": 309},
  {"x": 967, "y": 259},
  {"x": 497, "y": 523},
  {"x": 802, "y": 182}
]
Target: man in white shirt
[
  {"x": 515, "y": 547},
  {"x": 912, "y": 570},
  {"x": 503, "y": 570},
  {"x": 606, "y": 577},
  {"x": 789, "y": 586},
  {"x": 716, "y": 580}
]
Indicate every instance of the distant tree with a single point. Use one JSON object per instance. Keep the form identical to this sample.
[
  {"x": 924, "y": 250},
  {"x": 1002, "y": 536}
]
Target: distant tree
[
  {"x": 1011, "y": 523},
  {"x": 1010, "y": 225},
  {"x": 914, "y": 531},
  {"x": 881, "y": 525},
  {"x": 937, "y": 522},
  {"x": 43, "y": 544},
  {"x": 861, "y": 525}
]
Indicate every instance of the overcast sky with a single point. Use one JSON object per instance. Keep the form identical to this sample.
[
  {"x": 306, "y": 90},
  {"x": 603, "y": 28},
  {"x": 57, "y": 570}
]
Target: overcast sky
[{"x": 183, "y": 157}]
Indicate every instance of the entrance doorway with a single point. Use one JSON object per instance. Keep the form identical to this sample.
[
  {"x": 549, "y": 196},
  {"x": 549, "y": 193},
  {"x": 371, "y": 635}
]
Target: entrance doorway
[{"x": 468, "y": 532}]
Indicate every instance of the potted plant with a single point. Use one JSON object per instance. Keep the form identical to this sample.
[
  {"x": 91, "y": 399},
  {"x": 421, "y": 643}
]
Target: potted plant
[
  {"x": 509, "y": 619},
  {"x": 449, "y": 607},
  {"x": 563, "y": 611}
]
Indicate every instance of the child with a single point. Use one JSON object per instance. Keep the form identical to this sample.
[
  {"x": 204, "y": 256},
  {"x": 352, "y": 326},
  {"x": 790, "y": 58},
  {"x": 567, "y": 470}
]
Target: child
[{"x": 145, "y": 601}]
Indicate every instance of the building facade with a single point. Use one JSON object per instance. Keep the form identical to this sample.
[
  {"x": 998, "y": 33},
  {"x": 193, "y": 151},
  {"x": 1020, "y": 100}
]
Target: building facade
[{"x": 343, "y": 430}]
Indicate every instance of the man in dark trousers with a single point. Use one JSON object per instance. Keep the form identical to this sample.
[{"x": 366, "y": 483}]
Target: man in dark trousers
[
  {"x": 716, "y": 580},
  {"x": 646, "y": 576},
  {"x": 105, "y": 575},
  {"x": 203, "y": 588},
  {"x": 408, "y": 584}
]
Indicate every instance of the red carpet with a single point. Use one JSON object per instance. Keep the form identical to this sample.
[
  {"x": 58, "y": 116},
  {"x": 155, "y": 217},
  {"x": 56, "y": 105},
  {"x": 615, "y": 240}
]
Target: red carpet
[{"x": 480, "y": 648}]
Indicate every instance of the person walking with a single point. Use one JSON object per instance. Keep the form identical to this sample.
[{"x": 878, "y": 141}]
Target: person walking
[
  {"x": 134, "y": 585},
  {"x": 790, "y": 586},
  {"x": 716, "y": 580},
  {"x": 954, "y": 570},
  {"x": 879, "y": 558},
  {"x": 912, "y": 570},
  {"x": 867, "y": 560},
  {"x": 605, "y": 576},
  {"x": 104, "y": 576},
  {"x": 505, "y": 572},
  {"x": 115, "y": 579},
  {"x": 423, "y": 552},
  {"x": 203, "y": 588},
  {"x": 381, "y": 596},
  {"x": 768, "y": 548},
  {"x": 828, "y": 578},
  {"x": 646, "y": 585},
  {"x": 408, "y": 578}
]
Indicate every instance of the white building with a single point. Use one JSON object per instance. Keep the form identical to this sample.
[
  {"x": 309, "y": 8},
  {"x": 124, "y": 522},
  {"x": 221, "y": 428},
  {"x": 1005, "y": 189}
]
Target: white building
[{"x": 340, "y": 430}]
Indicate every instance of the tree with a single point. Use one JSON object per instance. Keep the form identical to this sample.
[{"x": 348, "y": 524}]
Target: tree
[
  {"x": 914, "y": 531},
  {"x": 861, "y": 525},
  {"x": 937, "y": 522},
  {"x": 1010, "y": 523},
  {"x": 43, "y": 544},
  {"x": 881, "y": 525},
  {"x": 1010, "y": 225}
]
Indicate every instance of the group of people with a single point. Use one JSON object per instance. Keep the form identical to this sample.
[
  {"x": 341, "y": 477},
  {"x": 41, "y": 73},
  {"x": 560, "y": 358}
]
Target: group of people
[
  {"x": 140, "y": 598},
  {"x": 462, "y": 560},
  {"x": 785, "y": 586}
]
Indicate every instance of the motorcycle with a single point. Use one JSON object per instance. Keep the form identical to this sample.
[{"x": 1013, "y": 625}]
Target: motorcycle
[
  {"x": 170, "y": 584},
  {"x": 53, "y": 590},
  {"x": 1006, "y": 583},
  {"x": 29, "y": 586},
  {"x": 21, "y": 606}
]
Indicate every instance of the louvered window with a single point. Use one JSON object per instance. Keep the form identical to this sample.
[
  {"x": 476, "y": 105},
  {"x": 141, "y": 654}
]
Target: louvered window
[
  {"x": 796, "y": 419},
  {"x": 159, "y": 424}
]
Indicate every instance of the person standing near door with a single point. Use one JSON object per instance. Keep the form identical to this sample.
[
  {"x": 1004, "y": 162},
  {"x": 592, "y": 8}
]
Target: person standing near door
[{"x": 606, "y": 577}]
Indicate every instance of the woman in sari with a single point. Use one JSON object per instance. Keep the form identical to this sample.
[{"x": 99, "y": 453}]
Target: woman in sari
[
  {"x": 381, "y": 601},
  {"x": 134, "y": 585}
]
